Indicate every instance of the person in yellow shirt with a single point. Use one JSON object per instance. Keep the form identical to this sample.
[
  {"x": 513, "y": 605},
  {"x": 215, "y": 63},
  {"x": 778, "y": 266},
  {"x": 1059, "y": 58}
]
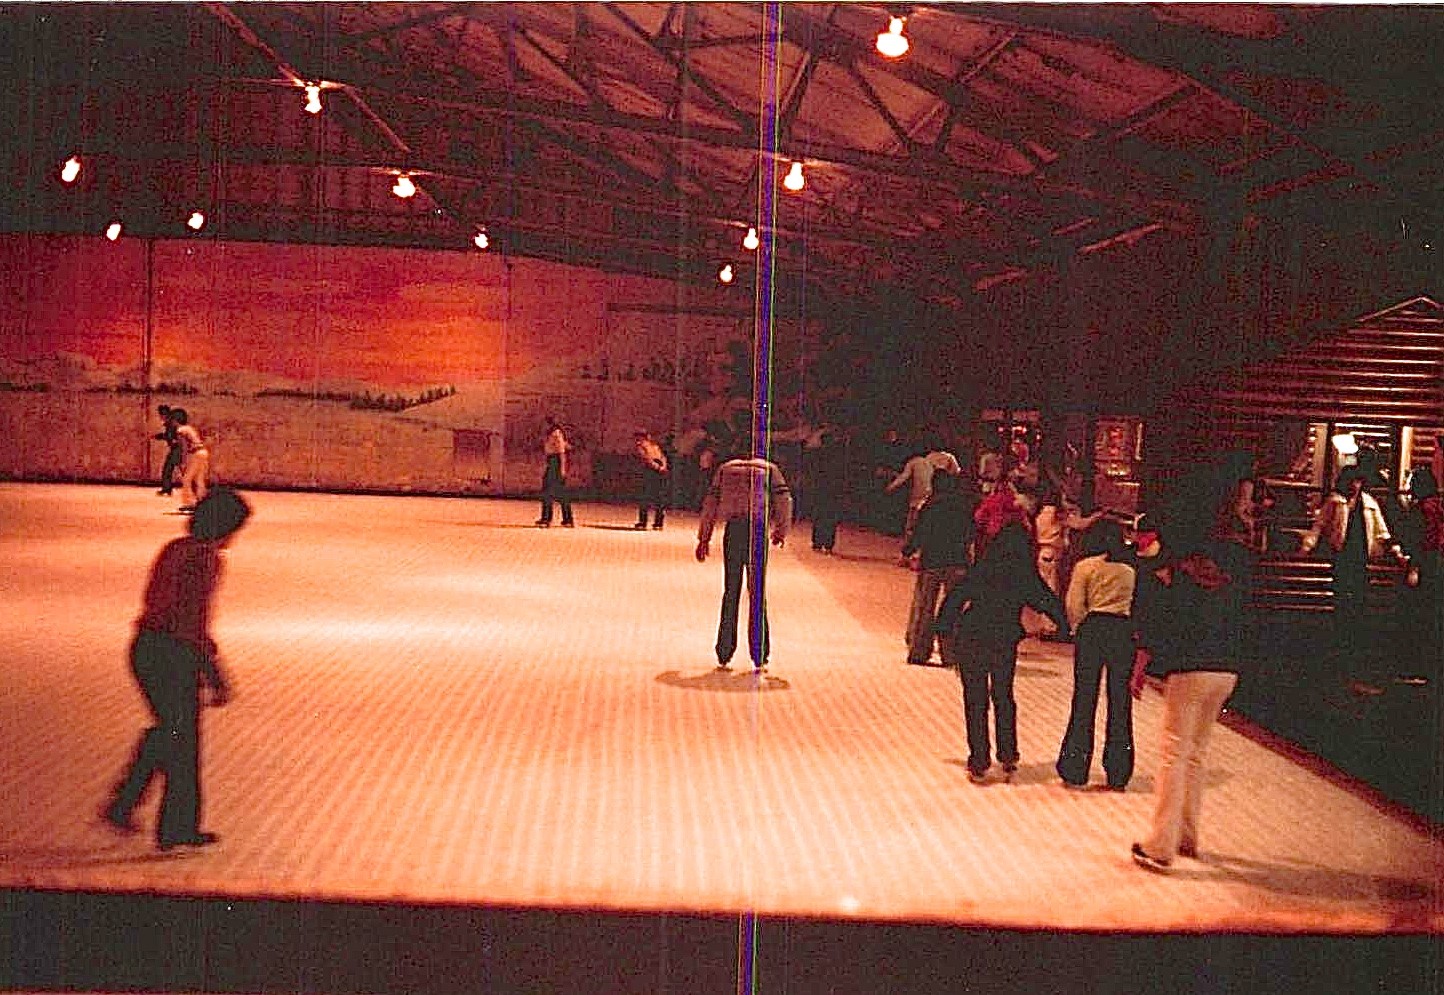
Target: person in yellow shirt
[{"x": 1100, "y": 608}]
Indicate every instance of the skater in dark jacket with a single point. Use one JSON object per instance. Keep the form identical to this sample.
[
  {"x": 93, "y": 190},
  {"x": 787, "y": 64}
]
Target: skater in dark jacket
[
  {"x": 942, "y": 538},
  {"x": 172, "y": 654},
  {"x": 981, "y": 630},
  {"x": 173, "y": 452}
]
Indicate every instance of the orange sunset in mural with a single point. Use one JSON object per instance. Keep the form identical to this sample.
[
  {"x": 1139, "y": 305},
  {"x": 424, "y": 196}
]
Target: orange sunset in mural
[{"x": 352, "y": 368}]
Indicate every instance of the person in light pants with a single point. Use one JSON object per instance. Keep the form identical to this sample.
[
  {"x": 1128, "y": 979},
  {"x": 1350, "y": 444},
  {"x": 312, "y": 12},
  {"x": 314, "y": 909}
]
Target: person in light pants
[{"x": 1193, "y": 633}]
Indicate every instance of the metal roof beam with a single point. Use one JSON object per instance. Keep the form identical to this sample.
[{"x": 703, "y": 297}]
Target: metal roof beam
[
  {"x": 348, "y": 42},
  {"x": 745, "y": 121},
  {"x": 833, "y": 43},
  {"x": 1193, "y": 55}
]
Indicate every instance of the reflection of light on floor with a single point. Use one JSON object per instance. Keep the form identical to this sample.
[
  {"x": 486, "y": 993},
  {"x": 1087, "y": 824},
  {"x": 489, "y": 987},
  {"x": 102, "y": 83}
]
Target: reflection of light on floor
[
  {"x": 533, "y": 719},
  {"x": 479, "y": 582},
  {"x": 371, "y": 630}
]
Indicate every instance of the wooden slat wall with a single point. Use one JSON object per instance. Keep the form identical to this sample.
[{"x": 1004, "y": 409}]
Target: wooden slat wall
[
  {"x": 1380, "y": 374},
  {"x": 1386, "y": 368}
]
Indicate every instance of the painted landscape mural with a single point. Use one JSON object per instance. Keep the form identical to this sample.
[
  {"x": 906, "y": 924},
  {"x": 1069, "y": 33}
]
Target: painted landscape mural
[{"x": 348, "y": 368}]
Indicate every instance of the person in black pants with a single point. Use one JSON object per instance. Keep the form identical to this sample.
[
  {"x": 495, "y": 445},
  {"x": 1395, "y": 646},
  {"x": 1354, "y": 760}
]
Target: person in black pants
[
  {"x": 173, "y": 453},
  {"x": 1100, "y": 608},
  {"x": 655, "y": 483},
  {"x": 943, "y": 536},
  {"x": 829, "y": 481},
  {"x": 556, "y": 448},
  {"x": 172, "y": 653},
  {"x": 980, "y": 625},
  {"x": 751, "y": 496}
]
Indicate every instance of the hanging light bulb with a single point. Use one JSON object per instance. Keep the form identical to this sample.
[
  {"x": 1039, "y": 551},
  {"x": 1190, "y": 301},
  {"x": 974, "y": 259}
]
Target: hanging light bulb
[
  {"x": 403, "y": 187},
  {"x": 481, "y": 241},
  {"x": 313, "y": 98},
  {"x": 725, "y": 273},
  {"x": 751, "y": 241},
  {"x": 70, "y": 169},
  {"x": 794, "y": 180},
  {"x": 112, "y": 230},
  {"x": 196, "y": 221},
  {"x": 892, "y": 42}
]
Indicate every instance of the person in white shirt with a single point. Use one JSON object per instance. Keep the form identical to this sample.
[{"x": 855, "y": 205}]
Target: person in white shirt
[
  {"x": 1057, "y": 522},
  {"x": 1100, "y": 608},
  {"x": 195, "y": 461},
  {"x": 747, "y": 493},
  {"x": 1352, "y": 528},
  {"x": 917, "y": 475}
]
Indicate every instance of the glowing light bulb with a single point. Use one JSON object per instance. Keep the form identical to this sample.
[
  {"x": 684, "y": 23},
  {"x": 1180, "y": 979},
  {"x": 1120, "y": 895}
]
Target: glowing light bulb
[
  {"x": 403, "y": 187},
  {"x": 794, "y": 180},
  {"x": 725, "y": 273},
  {"x": 313, "y": 98},
  {"x": 892, "y": 42},
  {"x": 196, "y": 221},
  {"x": 481, "y": 241},
  {"x": 70, "y": 170},
  {"x": 751, "y": 241},
  {"x": 112, "y": 231}
]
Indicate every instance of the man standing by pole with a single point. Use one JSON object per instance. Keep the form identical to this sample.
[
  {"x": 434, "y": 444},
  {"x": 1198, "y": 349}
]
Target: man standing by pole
[{"x": 751, "y": 496}]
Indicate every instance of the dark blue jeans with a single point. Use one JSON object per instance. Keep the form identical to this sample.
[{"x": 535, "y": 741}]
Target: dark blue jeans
[
  {"x": 1104, "y": 646},
  {"x": 986, "y": 664},
  {"x": 737, "y": 560},
  {"x": 166, "y": 669},
  {"x": 554, "y": 488},
  {"x": 655, "y": 497}
]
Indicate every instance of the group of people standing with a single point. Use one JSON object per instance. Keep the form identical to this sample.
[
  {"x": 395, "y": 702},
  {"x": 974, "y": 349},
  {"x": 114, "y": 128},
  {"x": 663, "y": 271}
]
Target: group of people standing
[
  {"x": 1170, "y": 606},
  {"x": 654, "y": 469}
]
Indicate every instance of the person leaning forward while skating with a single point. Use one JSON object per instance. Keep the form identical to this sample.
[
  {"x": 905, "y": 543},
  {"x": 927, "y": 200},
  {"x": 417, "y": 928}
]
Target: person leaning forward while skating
[
  {"x": 172, "y": 654},
  {"x": 745, "y": 491}
]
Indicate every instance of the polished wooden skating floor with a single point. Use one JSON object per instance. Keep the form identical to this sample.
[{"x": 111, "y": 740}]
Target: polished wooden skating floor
[{"x": 438, "y": 703}]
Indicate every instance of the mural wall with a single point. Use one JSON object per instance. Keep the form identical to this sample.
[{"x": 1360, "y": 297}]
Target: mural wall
[{"x": 347, "y": 368}]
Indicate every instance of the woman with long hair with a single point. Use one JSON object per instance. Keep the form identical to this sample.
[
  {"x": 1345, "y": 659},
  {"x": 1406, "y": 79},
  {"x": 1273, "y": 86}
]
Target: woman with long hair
[
  {"x": 1193, "y": 633},
  {"x": 980, "y": 625}
]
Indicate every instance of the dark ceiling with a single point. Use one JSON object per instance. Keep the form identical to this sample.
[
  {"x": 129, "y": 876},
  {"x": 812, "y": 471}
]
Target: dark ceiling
[{"x": 1009, "y": 144}]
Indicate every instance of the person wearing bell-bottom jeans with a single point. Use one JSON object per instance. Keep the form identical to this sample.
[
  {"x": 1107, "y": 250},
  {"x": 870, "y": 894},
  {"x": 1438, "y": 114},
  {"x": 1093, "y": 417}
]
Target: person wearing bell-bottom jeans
[{"x": 1192, "y": 702}]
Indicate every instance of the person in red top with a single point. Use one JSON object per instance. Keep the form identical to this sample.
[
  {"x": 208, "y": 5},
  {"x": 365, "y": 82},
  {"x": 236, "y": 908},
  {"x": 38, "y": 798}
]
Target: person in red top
[{"x": 172, "y": 652}]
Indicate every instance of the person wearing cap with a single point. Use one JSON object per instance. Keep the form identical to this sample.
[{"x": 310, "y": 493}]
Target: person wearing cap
[
  {"x": 171, "y": 655},
  {"x": 746, "y": 492},
  {"x": 654, "y": 469}
]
